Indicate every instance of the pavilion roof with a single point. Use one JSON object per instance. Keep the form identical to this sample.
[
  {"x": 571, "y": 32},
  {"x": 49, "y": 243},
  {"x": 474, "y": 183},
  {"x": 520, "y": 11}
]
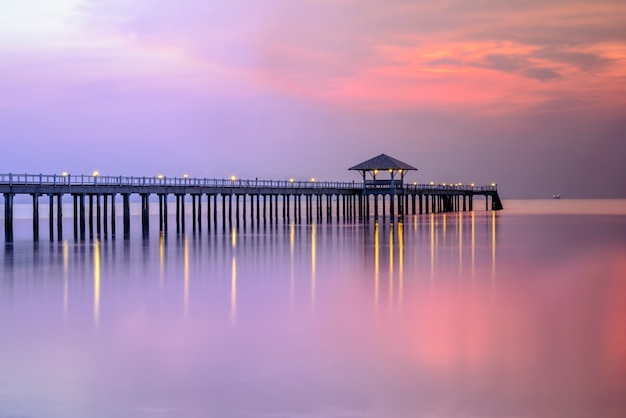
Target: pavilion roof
[{"x": 382, "y": 162}]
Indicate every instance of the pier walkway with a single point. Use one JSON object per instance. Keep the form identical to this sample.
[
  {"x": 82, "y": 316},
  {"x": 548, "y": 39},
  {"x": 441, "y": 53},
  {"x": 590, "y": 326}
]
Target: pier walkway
[{"x": 267, "y": 199}]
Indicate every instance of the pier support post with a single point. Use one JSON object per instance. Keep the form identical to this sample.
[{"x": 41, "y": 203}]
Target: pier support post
[
  {"x": 177, "y": 213},
  {"x": 199, "y": 219},
  {"x": 98, "y": 214},
  {"x": 75, "y": 208},
  {"x": 193, "y": 212},
  {"x": 160, "y": 196},
  {"x": 271, "y": 210},
  {"x": 51, "y": 216},
  {"x": 105, "y": 215},
  {"x": 244, "y": 210},
  {"x": 145, "y": 215},
  {"x": 215, "y": 211},
  {"x": 113, "y": 215},
  {"x": 230, "y": 210},
  {"x": 35, "y": 217},
  {"x": 223, "y": 212},
  {"x": 208, "y": 212},
  {"x": 90, "y": 216},
  {"x": 165, "y": 213},
  {"x": 8, "y": 217},
  {"x": 126, "y": 214},
  {"x": 264, "y": 209},
  {"x": 81, "y": 208},
  {"x": 59, "y": 218},
  {"x": 182, "y": 212},
  {"x": 237, "y": 211},
  {"x": 329, "y": 209}
]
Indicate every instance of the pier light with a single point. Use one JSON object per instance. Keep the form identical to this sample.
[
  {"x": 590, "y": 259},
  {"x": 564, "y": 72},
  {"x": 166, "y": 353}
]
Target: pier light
[
  {"x": 493, "y": 184},
  {"x": 472, "y": 184},
  {"x": 96, "y": 173},
  {"x": 443, "y": 184},
  {"x": 375, "y": 172},
  {"x": 233, "y": 178},
  {"x": 291, "y": 180},
  {"x": 414, "y": 183},
  {"x": 160, "y": 176},
  {"x": 185, "y": 176},
  {"x": 432, "y": 183},
  {"x": 312, "y": 179},
  {"x": 64, "y": 174}
]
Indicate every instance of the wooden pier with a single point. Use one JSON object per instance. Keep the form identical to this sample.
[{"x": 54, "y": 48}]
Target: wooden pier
[{"x": 94, "y": 201}]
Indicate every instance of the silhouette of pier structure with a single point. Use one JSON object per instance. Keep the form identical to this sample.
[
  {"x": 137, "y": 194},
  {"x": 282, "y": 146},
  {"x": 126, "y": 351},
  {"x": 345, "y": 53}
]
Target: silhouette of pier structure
[{"x": 94, "y": 199}]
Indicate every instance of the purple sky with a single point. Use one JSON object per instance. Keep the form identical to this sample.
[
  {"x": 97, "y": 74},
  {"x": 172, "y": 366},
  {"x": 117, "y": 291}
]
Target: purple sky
[{"x": 529, "y": 94}]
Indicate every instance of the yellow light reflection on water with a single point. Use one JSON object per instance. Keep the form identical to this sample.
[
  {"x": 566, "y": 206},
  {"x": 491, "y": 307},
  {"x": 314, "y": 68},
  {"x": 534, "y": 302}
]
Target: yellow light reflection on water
[
  {"x": 233, "y": 277},
  {"x": 186, "y": 276},
  {"x": 460, "y": 227},
  {"x": 96, "y": 282},
  {"x": 65, "y": 277},
  {"x": 473, "y": 243},
  {"x": 493, "y": 243},
  {"x": 432, "y": 245},
  {"x": 376, "y": 264},
  {"x": 292, "y": 237},
  {"x": 313, "y": 262},
  {"x": 400, "y": 262},
  {"x": 391, "y": 265},
  {"x": 161, "y": 258}
]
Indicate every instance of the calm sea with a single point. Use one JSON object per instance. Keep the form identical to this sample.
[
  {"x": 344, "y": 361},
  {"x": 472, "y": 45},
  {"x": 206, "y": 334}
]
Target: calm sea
[{"x": 520, "y": 313}]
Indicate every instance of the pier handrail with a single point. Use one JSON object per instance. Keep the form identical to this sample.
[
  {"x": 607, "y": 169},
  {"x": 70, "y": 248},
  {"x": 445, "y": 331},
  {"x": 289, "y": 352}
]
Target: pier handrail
[{"x": 12, "y": 179}]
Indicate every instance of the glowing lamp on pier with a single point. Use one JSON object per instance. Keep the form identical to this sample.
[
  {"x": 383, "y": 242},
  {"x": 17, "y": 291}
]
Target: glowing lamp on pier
[
  {"x": 233, "y": 178},
  {"x": 472, "y": 184},
  {"x": 313, "y": 179},
  {"x": 96, "y": 173},
  {"x": 493, "y": 184},
  {"x": 291, "y": 180},
  {"x": 64, "y": 174},
  {"x": 160, "y": 176},
  {"x": 185, "y": 176}
]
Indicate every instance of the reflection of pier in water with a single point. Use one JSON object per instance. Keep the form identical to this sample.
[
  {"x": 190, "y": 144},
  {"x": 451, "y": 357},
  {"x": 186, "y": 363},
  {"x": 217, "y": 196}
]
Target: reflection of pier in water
[{"x": 435, "y": 243}]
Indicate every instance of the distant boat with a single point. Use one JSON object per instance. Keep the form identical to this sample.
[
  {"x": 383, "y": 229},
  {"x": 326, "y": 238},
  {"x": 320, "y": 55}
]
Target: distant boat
[{"x": 556, "y": 196}]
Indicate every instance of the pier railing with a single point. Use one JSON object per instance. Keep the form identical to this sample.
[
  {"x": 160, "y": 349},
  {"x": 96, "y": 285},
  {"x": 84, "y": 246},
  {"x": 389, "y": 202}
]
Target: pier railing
[{"x": 12, "y": 179}]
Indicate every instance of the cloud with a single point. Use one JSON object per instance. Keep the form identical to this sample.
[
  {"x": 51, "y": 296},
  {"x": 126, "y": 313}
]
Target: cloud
[{"x": 541, "y": 74}]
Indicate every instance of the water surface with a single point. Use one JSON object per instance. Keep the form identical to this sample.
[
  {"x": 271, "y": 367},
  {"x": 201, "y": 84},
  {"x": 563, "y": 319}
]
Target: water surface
[{"x": 520, "y": 313}]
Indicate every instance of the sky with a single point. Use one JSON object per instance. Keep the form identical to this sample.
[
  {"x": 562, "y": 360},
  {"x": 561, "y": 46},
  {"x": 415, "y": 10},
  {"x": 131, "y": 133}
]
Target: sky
[{"x": 528, "y": 94}]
